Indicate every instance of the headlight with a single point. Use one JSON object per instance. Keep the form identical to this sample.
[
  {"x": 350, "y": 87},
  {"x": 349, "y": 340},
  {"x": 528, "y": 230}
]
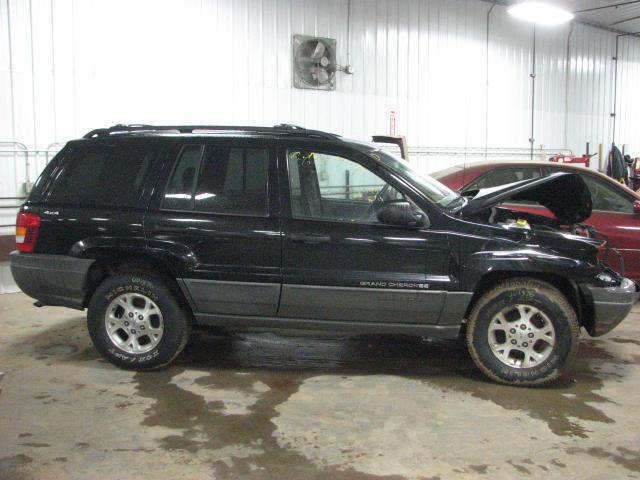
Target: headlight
[{"x": 608, "y": 279}]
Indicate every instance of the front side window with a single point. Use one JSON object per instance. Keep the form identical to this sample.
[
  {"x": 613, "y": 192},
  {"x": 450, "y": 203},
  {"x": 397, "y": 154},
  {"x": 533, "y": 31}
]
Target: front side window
[
  {"x": 103, "y": 175},
  {"x": 431, "y": 188},
  {"x": 330, "y": 187},
  {"x": 220, "y": 179}
]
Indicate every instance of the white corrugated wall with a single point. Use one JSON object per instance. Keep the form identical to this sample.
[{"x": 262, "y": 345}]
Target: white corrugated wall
[{"x": 456, "y": 76}]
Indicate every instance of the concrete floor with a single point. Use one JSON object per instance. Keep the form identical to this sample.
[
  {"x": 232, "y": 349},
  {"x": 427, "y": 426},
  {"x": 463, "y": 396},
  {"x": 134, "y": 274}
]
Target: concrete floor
[{"x": 262, "y": 406}]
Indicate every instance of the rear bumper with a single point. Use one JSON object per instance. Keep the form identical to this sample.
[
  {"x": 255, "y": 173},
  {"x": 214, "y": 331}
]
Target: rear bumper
[
  {"x": 611, "y": 305},
  {"x": 53, "y": 279}
]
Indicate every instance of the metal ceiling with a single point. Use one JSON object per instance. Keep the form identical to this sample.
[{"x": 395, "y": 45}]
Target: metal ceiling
[{"x": 621, "y": 16}]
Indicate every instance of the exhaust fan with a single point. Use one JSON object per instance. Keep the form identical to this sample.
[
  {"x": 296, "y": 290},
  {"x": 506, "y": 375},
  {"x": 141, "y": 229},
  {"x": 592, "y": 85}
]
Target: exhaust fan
[{"x": 314, "y": 62}]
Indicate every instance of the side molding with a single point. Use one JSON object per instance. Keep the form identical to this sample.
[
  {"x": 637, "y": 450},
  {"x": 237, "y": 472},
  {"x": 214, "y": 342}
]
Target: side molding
[{"x": 235, "y": 298}]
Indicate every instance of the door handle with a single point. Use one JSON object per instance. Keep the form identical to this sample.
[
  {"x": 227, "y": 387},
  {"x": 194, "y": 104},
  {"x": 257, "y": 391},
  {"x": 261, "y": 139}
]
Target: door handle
[{"x": 310, "y": 238}]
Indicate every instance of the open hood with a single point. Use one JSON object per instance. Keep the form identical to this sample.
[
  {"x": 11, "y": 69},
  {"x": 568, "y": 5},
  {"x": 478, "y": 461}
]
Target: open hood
[{"x": 564, "y": 194}]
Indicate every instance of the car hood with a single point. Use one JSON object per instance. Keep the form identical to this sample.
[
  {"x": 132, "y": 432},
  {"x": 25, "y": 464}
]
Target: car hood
[{"x": 564, "y": 194}]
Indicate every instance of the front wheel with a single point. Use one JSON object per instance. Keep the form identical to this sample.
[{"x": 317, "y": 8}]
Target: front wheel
[
  {"x": 523, "y": 332},
  {"x": 137, "y": 322}
]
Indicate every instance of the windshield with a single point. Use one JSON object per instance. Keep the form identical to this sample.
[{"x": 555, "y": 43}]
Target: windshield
[{"x": 430, "y": 187}]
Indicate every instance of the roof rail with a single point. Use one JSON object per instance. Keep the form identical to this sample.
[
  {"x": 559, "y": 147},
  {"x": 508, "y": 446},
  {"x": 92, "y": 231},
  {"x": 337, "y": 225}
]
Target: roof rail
[
  {"x": 305, "y": 131},
  {"x": 140, "y": 128}
]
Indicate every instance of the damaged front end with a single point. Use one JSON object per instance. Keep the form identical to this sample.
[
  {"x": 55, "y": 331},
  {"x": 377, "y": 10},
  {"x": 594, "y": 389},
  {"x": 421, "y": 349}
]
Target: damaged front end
[
  {"x": 564, "y": 194},
  {"x": 607, "y": 297}
]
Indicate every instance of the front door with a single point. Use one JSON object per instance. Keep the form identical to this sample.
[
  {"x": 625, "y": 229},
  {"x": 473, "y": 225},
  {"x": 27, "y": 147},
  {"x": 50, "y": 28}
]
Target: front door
[{"x": 339, "y": 262}]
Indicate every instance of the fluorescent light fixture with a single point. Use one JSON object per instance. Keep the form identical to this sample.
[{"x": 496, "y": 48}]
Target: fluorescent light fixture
[{"x": 540, "y": 13}]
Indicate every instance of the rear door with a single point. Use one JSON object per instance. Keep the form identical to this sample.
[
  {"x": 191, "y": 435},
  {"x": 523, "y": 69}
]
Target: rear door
[{"x": 216, "y": 220}]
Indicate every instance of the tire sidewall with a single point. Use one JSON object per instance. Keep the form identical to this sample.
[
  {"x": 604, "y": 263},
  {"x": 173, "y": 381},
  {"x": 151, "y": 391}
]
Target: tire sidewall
[
  {"x": 556, "y": 314},
  {"x": 174, "y": 321}
]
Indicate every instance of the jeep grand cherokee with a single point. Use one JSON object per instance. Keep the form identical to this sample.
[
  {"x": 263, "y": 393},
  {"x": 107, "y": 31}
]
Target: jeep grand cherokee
[{"x": 156, "y": 229}]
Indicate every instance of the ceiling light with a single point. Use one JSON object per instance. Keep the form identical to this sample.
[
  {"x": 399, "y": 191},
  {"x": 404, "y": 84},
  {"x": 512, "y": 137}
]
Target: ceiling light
[{"x": 540, "y": 13}]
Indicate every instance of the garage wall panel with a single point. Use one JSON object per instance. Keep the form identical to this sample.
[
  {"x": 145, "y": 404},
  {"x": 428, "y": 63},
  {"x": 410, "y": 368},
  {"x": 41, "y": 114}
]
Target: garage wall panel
[
  {"x": 628, "y": 96},
  {"x": 550, "y": 87},
  {"x": 69, "y": 66},
  {"x": 590, "y": 92}
]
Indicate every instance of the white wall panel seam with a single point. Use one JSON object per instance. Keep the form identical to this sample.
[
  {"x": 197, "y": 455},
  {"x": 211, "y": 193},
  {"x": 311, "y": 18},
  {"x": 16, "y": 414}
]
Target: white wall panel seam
[{"x": 456, "y": 75}]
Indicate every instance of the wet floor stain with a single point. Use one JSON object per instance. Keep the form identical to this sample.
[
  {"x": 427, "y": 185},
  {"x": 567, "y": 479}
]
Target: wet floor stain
[
  {"x": 35, "y": 444},
  {"x": 480, "y": 469},
  {"x": 625, "y": 341},
  {"x": 243, "y": 444},
  {"x": 202, "y": 422},
  {"x": 626, "y": 458},
  {"x": 284, "y": 363},
  {"x": 562, "y": 405},
  {"x": 56, "y": 350},
  {"x": 444, "y": 364},
  {"x": 12, "y": 467},
  {"x": 519, "y": 468}
]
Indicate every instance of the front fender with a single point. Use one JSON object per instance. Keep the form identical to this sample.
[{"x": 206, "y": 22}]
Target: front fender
[{"x": 524, "y": 260}]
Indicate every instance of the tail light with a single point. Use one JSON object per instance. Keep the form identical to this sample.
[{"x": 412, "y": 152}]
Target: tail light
[{"x": 27, "y": 226}]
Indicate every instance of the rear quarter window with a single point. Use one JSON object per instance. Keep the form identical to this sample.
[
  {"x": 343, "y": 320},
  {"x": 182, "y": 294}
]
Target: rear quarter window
[
  {"x": 103, "y": 175},
  {"x": 39, "y": 188}
]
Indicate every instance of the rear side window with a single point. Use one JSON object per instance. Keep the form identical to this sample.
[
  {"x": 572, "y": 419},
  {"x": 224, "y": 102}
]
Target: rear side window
[
  {"x": 605, "y": 197},
  {"x": 179, "y": 192},
  {"x": 103, "y": 175},
  {"x": 503, "y": 176},
  {"x": 220, "y": 179}
]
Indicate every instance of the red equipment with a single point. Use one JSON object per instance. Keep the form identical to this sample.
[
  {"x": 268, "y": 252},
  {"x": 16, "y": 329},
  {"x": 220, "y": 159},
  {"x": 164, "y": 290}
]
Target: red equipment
[{"x": 584, "y": 159}]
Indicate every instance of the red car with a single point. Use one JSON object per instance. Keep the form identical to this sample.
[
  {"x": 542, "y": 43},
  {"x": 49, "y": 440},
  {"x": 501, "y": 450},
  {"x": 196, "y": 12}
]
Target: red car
[{"x": 616, "y": 208}]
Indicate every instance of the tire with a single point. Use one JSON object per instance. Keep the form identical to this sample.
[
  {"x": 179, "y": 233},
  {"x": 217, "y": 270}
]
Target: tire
[
  {"x": 509, "y": 353},
  {"x": 162, "y": 319}
]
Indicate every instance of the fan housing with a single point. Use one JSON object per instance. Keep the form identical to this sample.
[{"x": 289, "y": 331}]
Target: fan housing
[{"x": 314, "y": 62}]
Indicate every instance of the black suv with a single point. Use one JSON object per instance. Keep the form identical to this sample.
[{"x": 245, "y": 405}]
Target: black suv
[{"x": 156, "y": 229}]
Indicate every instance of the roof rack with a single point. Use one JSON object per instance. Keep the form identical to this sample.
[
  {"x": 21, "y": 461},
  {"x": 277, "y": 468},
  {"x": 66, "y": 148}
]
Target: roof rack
[{"x": 284, "y": 128}]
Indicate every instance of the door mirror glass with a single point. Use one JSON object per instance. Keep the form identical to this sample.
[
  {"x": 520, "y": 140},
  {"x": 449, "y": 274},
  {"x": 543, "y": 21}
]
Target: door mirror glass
[
  {"x": 636, "y": 207},
  {"x": 402, "y": 214}
]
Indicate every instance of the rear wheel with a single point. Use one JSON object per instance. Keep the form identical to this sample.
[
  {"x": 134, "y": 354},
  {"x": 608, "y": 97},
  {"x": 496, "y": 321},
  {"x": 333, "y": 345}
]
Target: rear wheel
[
  {"x": 523, "y": 332},
  {"x": 137, "y": 322}
]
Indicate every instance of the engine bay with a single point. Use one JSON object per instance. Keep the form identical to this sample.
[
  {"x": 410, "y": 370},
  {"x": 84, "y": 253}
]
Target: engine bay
[{"x": 513, "y": 219}]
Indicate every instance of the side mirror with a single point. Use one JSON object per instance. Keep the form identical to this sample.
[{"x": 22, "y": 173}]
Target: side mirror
[
  {"x": 402, "y": 214},
  {"x": 636, "y": 207}
]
